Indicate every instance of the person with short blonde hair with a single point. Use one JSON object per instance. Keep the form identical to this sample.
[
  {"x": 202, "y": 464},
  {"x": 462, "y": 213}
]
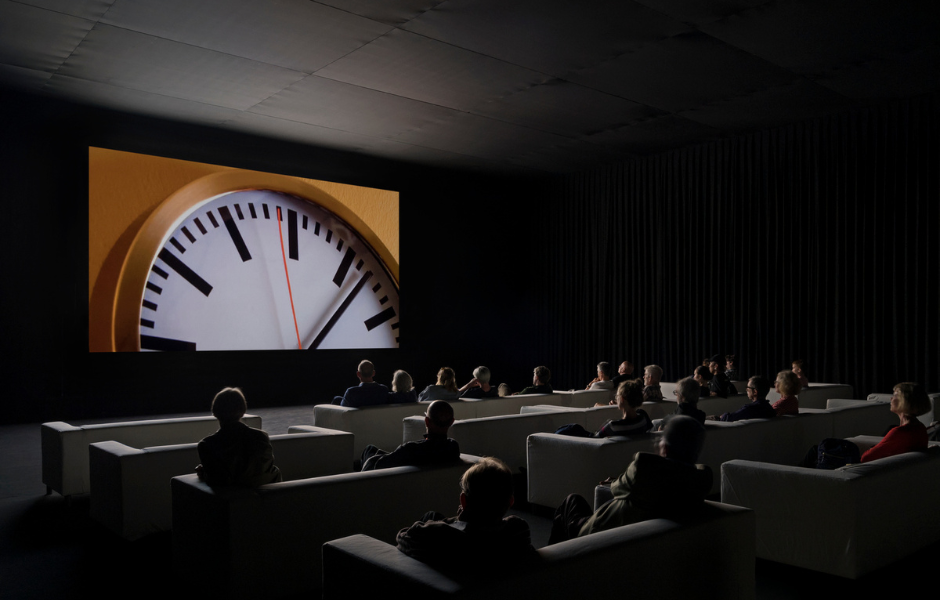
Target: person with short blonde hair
[
  {"x": 787, "y": 385},
  {"x": 403, "y": 390},
  {"x": 652, "y": 374}
]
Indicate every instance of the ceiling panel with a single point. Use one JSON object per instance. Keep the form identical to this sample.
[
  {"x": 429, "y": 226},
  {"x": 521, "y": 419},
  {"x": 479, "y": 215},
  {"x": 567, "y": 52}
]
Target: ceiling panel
[
  {"x": 550, "y": 36},
  {"x": 86, "y": 9},
  {"x": 701, "y": 11},
  {"x": 393, "y": 12},
  {"x": 655, "y": 135},
  {"x": 898, "y": 76},
  {"x": 807, "y": 36},
  {"x": 565, "y": 108},
  {"x": 303, "y": 36},
  {"x": 150, "y": 64},
  {"x": 413, "y": 66},
  {"x": 23, "y": 79},
  {"x": 136, "y": 101},
  {"x": 683, "y": 72},
  {"x": 39, "y": 39},
  {"x": 338, "y": 105},
  {"x": 801, "y": 99}
]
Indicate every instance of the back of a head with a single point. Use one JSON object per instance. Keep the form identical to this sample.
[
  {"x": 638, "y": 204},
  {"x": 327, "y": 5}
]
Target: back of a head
[
  {"x": 655, "y": 373},
  {"x": 543, "y": 374},
  {"x": 440, "y": 414},
  {"x": 488, "y": 489},
  {"x": 229, "y": 405},
  {"x": 788, "y": 383},
  {"x": 366, "y": 369},
  {"x": 401, "y": 381},
  {"x": 687, "y": 390},
  {"x": 704, "y": 372},
  {"x": 482, "y": 374},
  {"x": 605, "y": 369},
  {"x": 632, "y": 392},
  {"x": 683, "y": 438},
  {"x": 447, "y": 379}
]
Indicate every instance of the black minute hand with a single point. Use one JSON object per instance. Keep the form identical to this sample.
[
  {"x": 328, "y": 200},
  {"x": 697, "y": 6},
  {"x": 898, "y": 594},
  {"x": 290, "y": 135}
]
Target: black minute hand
[{"x": 339, "y": 311}]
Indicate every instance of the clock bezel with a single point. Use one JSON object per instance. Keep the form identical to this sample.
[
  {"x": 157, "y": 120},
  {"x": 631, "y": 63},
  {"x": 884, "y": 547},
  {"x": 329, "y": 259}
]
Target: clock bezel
[{"x": 132, "y": 278}]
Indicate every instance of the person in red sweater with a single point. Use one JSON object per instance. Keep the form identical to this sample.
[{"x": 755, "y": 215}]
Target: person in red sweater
[
  {"x": 788, "y": 386},
  {"x": 908, "y": 402}
]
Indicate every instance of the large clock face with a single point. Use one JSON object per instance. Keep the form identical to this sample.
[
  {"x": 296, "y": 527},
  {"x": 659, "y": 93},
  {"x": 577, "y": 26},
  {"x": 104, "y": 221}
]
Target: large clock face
[{"x": 260, "y": 269}]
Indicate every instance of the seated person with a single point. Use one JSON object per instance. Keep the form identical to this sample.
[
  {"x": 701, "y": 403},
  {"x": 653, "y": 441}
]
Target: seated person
[
  {"x": 435, "y": 449},
  {"x": 731, "y": 367},
  {"x": 479, "y": 386},
  {"x": 719, "y": 385},
  {"x": 444, "y": 389},
  {"x": 908, "y": 402},
  {"x": 602, "y": 381},
  {"x": 235, "y": 454},
  {"x": 403, "y": 390},
  {"x": 624, "y": 373},
  {"x": 540, "y": 378},
  {"x": 367, "y": 393},
  {"x": 797, "y": 367},
  {"x": 635, "y": 420},
  {"x": 668, "y": 485},
  {"x": 759, "y": 408},
  {"x": 702, "y": 376},
  {"x": 652, "y": 375},
  {"x": 788, "y": 386},
  {"x": 687, "y": 395},
  {"x": 504, "y": 390},
  {"x": 479, "y": 543}
]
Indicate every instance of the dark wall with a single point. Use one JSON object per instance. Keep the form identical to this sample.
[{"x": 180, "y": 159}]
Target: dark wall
[
  {"x": 816, "y": 241},
  {"x": 465, "y": 248}
]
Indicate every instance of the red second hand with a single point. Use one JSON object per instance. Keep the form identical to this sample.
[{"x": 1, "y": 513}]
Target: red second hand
[{"x": 289, "y": 292}]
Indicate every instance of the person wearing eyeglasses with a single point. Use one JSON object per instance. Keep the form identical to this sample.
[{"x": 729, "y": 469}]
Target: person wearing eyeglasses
[{"x": 759, "y": 407}]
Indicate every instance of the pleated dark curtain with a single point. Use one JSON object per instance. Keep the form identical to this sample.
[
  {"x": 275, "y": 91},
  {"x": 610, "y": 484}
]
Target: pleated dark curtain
[{"x": 816, "y": 241}]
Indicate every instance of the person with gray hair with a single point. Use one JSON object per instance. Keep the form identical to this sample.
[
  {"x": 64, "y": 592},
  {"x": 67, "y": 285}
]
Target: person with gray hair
[
  {"x": 367, "y": 393},
  {"x": 479, "y": 386},
  {"x": 403, "y": 389},
  {"x": 687, "y": 395},
  {"x": 652, "y": 375},
  {"x": 236, "y": 454},
  {"x": 602, "y": 381},
  {"x": 667, "y": 484}
]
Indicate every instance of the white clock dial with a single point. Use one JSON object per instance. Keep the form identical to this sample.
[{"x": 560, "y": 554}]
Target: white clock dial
[{"x": 219, "y": 280}]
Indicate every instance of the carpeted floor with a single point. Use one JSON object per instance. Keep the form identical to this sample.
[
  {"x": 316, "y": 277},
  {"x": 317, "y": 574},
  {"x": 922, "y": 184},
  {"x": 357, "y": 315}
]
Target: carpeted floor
[{"x": 50, "y": 548}]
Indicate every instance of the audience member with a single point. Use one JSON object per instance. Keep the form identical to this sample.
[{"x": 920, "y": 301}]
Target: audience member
[
  {"x": 668, "y": 485},
  {"x": 797, "y": 367},
  {"x": 540, "y": 378},
  {"x": 403, "y": 389},
  {"x": 788, "y": 386},
  {"x": 719, "y": 385},
  {"x": 436, "y": 448},
  {"x": 635, "y": 420},
  {"x": 702, "y": 375},
  {"x": 687, "y": 395},
  {"x": 624, "y": 373},
  {"x": 504, "y": 390},
  {"x": 479, "y": 543},
  {"x": 652, "y": 374},
  {"x": 479, "y": 386},
  {"x": 908, "y": 402},
  {"x": 731, "y": 367},
  {"x": 235, "y": 454},
  {"x": 602, "y": 381},
  {"x": 759, "y": 408},
  {"x": 367, "y": 393},
  {"x": 444, "y": 389}
]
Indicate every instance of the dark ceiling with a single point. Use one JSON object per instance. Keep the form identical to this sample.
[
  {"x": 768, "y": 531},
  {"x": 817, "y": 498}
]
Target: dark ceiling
[{"x": 501, "y": 85}]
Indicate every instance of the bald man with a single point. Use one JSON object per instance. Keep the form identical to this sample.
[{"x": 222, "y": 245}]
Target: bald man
[{"x": 435, "y": 449}]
